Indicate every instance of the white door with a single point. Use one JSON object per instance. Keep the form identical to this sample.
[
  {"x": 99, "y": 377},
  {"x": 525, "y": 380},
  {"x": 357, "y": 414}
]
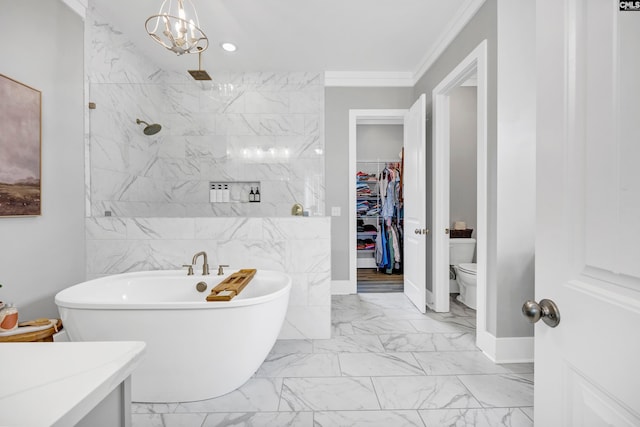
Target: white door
[
  {"x": 588, "y": 198},
  {"x": 414, "y": 188}
]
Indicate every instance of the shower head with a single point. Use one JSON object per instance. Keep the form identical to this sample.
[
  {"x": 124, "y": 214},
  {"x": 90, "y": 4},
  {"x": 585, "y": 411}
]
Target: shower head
[
  {"x": 199, "y": 74},
  {"x": 149, "y": 129}
]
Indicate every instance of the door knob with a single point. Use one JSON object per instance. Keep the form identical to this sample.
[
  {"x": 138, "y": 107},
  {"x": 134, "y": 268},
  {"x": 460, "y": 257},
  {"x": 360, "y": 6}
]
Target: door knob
[
  {"x": 446, "y": 231},
  {"x": 546, "y": 310},
  {"x": 417, "y": 231},
  {"x": 421, "y": 231}
]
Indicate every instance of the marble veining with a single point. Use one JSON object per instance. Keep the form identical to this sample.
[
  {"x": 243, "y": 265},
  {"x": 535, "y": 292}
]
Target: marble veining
[
  {"x": 211, "y": 131},
  {"x": 311, "y": 381},
  {"x": 499, "y": 417},
  {"x": 328, "y": 394},
  {"x": 119, "y": 245}
]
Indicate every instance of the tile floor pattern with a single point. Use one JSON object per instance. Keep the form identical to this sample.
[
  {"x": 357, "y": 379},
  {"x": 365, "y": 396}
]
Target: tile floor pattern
[{"x": 386, "y": 365}]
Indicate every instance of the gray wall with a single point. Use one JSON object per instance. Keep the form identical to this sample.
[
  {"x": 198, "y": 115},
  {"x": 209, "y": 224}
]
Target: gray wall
[
  {"x": 463, "y": 156},
  {"x": 338, "y": 102},
  {"x": 516, "y": 165},
  {"x": 41, "y": 255},
  {"x": 509, "y": 28},
  {"x": 379, "y": 142},
  {"x": 483, "y": 26}
]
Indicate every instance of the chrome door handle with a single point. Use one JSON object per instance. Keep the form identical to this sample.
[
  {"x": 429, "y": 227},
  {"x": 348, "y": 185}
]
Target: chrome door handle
[{"x": 546, "y": 310}]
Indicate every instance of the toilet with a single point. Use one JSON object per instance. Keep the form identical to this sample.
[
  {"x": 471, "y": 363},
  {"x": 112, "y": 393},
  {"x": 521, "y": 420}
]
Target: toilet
[
  {"x": 461, "y": 253},
  {"x": 466, "y": 276}
]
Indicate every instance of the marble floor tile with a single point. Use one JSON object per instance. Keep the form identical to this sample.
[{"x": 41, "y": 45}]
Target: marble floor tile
[
  {"x": 456, "y": 308},
  {"x": 292, "y": 346},
  {"x": 349, "y": 344},
  {"x": 367, "y": 419},
  {"x": 385, "y": 365},
  {"x": 341, "y": 328},
  {"x": 512, "y": 390},
  {"x": 146, "y": 420},
  {"x": 346, "y": 302},
  {"x": 153, "y": 408},
  {"x": 183, "y": 420},
  {"x": 328, "y": 394},
  {"x": 383, "y": 326},
  {"x": 257, "y": 394},
  {"x": 387, "y": 300},
  {"x": 429, "y": 342},
  {"x": 361, "y": 314},
  {"x": 402, "y": 314},
  {"x": 260, "y": 419},
  {"x": 494, "y": 417},
  {"x": 423, "y": 393},
  {"x": 378, "y": 364},
  {"x": 300, "y": 365},
  {"x": 457, "y": 362},
  {"x": 443, "y": 326}
]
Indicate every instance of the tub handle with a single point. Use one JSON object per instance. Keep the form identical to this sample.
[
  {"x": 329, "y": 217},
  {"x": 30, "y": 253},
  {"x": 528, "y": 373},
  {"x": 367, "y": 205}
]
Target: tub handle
[
  {"x": 221, "y": 269},
  {"x": 189, "y": 269}
]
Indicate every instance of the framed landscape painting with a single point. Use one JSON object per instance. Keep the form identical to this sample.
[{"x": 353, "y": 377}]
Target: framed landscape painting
[{"x": 20, "y": 148}]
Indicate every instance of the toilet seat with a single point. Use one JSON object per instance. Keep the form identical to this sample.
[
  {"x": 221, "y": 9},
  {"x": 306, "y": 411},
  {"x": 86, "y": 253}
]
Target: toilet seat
[{"x": 468, "y": 268}]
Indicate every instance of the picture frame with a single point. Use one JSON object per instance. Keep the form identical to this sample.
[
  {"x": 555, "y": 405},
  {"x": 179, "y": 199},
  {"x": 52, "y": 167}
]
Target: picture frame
[{"x": 20, "y": 149}]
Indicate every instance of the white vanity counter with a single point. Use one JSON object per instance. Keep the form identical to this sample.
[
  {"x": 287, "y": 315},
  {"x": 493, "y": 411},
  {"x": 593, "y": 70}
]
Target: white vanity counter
[{"x": 58, "y": 384}]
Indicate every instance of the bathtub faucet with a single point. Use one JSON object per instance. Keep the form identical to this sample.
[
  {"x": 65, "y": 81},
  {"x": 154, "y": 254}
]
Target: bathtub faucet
[{"x": 205, "y": 265}]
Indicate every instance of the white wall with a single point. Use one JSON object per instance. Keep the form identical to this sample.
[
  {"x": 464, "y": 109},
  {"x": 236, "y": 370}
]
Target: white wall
[
  {"x": 41, "y": 255},
  {"x": 463, "y": 156}
]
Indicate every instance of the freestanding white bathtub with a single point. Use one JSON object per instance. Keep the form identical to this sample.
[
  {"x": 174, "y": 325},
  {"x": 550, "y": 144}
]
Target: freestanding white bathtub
[{"x": 196, "y": 349}]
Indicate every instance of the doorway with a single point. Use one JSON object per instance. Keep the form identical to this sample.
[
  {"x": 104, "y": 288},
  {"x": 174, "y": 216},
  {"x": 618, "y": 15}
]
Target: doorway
[
  {"x": 379, "y": 198},
  {"x": 414, "y": 183},
  {"x": 357, "y": 119},
  {"x": 438, "y": 296}
]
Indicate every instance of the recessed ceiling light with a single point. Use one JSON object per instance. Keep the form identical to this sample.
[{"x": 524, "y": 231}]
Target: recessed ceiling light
[{"x": 229, "y": 47}]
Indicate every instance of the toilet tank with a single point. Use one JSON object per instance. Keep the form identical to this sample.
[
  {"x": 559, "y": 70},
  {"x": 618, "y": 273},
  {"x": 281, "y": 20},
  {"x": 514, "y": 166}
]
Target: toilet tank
[{"x": 461, "y": 250}]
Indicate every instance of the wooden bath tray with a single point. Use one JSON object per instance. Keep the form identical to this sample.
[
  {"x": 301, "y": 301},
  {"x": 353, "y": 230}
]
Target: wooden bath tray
[{"x": 232, "y": 285}]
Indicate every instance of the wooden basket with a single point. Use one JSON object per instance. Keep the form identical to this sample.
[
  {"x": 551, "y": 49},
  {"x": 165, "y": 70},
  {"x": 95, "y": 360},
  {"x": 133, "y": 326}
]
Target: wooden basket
[{"x": 461, "y": 234}]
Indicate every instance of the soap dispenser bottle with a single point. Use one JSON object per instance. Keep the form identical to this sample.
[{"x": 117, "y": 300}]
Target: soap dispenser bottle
[
  {"x": 256, "y": 196},
  {"x": 226, "y": 196},
  {"x": 252, "y": 195}
]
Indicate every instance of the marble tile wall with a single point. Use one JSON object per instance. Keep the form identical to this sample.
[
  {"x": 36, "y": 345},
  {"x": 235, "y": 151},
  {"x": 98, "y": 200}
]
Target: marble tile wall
[
  {"x": 299, "y": 246},
  {"x": 253, "y": 126}
]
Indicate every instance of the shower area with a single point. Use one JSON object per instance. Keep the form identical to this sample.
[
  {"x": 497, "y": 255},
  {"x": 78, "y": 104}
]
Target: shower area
[{"x": 157, "y": 140}]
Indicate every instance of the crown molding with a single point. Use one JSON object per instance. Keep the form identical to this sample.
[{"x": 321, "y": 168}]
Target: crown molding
[
  {"x": 368, "y": 79},
  {"x": 467, "y": 11},
  {"x": 406, "y": 78},
  {"x": 78, "y": 6}
]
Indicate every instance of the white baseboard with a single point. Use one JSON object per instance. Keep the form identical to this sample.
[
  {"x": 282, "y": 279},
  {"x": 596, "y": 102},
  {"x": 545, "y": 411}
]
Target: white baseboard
[
  {"x": 342, "y": 287},
  {"x": 507, "y": 349}
]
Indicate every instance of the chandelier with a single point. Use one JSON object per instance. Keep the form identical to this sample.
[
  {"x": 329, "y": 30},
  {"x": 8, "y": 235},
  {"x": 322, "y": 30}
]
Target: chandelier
[{"x": 177, "y": 28}]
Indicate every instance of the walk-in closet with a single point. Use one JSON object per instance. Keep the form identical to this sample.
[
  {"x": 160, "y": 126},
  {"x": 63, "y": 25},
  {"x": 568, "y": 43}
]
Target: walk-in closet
[{"x": 379, "y": 208}]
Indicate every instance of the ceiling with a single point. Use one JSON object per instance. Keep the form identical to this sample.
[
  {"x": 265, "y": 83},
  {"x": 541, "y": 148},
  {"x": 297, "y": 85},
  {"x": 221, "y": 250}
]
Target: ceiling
[{"x": 364, "y": 36}]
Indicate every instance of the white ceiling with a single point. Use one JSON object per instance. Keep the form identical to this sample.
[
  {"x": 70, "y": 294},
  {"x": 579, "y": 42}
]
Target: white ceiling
[{"x": 388, "y": 36}]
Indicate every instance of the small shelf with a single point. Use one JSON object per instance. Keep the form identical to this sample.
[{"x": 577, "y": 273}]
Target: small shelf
[
  {"x": 366, "y": 251},
  {"x": 367, "y": 233}
]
